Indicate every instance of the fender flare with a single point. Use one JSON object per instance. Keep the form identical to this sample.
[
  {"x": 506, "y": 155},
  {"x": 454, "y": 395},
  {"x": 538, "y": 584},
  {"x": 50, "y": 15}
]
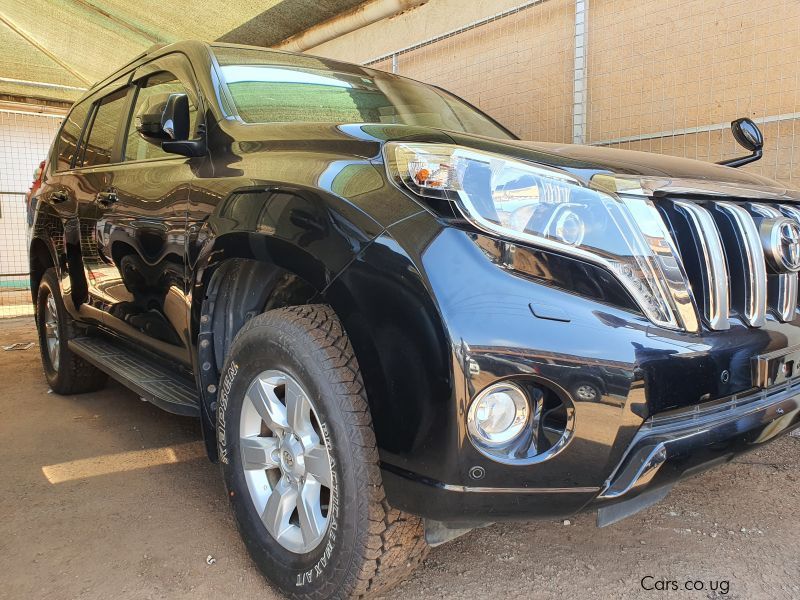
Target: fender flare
[{"x": 291, "y": 256}]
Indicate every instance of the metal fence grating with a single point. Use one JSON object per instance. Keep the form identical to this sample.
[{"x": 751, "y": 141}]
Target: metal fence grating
[
  {"x": 525, "y": 81},
  {"x": 24, "y": 142}
]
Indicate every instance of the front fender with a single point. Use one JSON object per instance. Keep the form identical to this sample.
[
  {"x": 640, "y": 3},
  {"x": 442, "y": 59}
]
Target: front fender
[
  {"x": 404, "y": 354},
  {"x": 299, "y": 230},
  {"x": 276, "y": 244}
]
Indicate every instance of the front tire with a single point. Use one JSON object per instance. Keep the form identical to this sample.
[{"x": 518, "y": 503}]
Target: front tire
[
  {"x": 300, "y": 461},
  {"x": 66, "y": 372}
]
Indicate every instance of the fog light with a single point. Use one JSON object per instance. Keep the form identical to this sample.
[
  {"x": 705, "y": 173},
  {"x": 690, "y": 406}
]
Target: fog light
[{"x": 498, "y": 414}]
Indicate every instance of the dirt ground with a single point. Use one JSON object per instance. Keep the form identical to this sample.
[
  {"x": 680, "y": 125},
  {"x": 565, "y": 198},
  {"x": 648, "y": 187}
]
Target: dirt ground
[
  {"x": 105, "y": 496},
  {"x": 15, "y": 303}
]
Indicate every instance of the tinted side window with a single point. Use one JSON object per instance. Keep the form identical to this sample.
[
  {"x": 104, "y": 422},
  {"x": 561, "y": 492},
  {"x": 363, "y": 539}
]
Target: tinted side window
[
  {"x": 152, "y": 96},
  {"x": 105, "y": 125},
  {"x": 67, "y": 143}
]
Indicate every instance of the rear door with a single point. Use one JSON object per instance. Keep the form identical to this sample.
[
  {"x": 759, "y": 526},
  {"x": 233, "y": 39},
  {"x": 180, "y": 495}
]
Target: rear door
[
  {"x": 57, "y": 204},
  {"x": 143, "y": 233}
]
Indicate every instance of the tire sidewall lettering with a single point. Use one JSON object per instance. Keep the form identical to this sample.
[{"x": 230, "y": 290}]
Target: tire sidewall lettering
[
  {"x": 308, "y": 576},
  {"x": 224, "y": 395}
]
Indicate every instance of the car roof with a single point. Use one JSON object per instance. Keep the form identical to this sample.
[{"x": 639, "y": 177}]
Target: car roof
[
  {"x": 194, "y": 46},
  {"x": 152, "y": 52}
]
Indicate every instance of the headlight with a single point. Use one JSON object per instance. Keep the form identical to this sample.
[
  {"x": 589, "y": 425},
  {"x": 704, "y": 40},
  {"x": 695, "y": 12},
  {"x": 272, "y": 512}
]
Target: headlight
[{"x": 552, "y": 209}]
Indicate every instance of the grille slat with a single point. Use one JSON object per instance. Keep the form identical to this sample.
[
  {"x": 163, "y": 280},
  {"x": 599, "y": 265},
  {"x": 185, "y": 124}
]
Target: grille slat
[
  {"x": 712, "y": 270},
  {"x": 786, "y": 297},
  {"x": 790, "y": 211},
  {"x": 746, "y": 263}
]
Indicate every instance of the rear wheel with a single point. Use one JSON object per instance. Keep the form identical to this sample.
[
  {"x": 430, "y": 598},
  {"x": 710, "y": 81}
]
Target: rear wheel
[
  {"x": 301, "y": 464},
  {"x": 66, "y": 372},
  {"x": 585, "y": 391}
]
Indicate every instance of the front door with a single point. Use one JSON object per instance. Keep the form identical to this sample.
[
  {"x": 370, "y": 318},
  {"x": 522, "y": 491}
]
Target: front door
[{"x": 145, "y": 231}]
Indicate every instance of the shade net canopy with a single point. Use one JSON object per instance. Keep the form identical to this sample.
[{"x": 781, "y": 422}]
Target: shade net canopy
[{"x": 54, "y": 49}]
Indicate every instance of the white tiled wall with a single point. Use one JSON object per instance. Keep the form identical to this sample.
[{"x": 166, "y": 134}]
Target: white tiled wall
[{"x": 24, "y": 142}]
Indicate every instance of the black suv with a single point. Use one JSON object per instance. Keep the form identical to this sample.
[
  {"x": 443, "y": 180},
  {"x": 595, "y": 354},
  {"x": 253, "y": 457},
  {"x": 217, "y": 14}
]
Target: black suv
[{"x": 396, "y": 320}]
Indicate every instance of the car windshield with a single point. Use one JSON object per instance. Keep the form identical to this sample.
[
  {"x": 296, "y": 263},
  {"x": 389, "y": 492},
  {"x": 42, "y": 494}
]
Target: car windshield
[{"x": 272, "y": 87}]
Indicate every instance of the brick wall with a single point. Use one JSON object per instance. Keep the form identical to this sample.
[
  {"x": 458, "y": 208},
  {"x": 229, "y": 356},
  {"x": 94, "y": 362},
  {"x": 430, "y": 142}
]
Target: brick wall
[
  {"x": 663, "y": 67},
  {"x": 655, "y": 69}
]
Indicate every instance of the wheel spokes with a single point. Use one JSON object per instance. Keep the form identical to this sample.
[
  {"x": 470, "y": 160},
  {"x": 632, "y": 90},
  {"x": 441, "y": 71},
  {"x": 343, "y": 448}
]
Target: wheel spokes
[
  {"x": 280, "y": 506},
  {"x": 269, "y": 407},
  {"x": 312, "y": 523},
  {"x": 51, "y": 331},
  {"x": 298, "y": 412},
  {"x": 318, "y": 464},
  {"x": 257, "y": 452}
]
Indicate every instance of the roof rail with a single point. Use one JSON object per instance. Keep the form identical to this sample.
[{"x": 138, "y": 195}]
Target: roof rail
[{"x": 152, "y": 48}]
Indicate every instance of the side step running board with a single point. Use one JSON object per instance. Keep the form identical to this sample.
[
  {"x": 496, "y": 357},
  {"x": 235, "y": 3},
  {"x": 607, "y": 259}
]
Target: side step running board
[{"x": 145, "y": 376}]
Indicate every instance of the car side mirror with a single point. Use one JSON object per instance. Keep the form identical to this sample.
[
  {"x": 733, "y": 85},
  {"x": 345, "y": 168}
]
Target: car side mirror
[
  {"x": 175, "y": 118},
  {"x": 175, "y": 123},
  {"x": 749, "y": 136},
  {"x": 165, "y": 121},
  {"x": 151, "y": 116}
]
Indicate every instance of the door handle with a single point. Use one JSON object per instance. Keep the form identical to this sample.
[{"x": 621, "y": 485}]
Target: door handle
[
  {"x": 106, "y": 198},
  {"x": 58, "y": 197}
]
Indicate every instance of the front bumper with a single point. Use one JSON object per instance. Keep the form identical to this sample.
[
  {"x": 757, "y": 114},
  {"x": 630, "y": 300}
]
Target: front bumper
[
  {"x": 667, "y": 448},
  {"x": 680, "y": 443}
]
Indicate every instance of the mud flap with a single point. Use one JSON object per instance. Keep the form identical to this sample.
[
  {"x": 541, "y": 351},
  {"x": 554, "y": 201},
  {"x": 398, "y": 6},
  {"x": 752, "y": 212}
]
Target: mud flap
[
  {"x": 608, "y": 515},
  {"x": 438, "y": 532}
]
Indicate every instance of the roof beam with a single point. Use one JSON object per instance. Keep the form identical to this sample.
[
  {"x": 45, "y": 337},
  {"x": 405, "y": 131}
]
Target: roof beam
[
  {"x": 36, "y": 44},
  {"x": 121, "y": 22},
  {"x": 44, "y": 84}
]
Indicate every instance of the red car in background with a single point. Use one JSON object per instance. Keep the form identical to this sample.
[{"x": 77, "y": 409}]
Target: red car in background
[{"x": 30, "y": 200}]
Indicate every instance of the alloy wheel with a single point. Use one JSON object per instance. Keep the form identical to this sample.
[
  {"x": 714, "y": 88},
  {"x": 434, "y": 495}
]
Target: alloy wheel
[
  {"x": 286, "y": 461},
  {"x": 51, "y": 333}
]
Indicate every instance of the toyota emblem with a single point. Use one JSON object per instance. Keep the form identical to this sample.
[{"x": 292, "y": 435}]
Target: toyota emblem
[{"x": 781, "y": 240}]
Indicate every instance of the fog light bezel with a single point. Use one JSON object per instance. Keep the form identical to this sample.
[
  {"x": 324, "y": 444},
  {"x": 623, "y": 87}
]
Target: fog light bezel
[
  {"x": 549, "y": 429},
  {"x": 521, "y": 419}
]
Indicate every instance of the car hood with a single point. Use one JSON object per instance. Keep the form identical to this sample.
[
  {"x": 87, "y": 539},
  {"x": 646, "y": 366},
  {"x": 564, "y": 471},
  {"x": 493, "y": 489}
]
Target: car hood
[
  {"x": 663, "y": 173},
  {"x": 648, "y": 171},
  {"x": 621, "y": 170},
  {"x": 599, "y": 159}
]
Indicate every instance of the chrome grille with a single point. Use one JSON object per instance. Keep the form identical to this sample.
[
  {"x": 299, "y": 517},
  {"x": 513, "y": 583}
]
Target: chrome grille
[
  {"x": 781, "y": 288},
  {"x": 721, "y": 249}
]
